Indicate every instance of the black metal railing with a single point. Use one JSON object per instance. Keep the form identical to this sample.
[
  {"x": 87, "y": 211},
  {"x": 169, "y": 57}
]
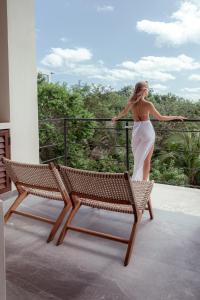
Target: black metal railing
[{"x": 65, "y": 139}]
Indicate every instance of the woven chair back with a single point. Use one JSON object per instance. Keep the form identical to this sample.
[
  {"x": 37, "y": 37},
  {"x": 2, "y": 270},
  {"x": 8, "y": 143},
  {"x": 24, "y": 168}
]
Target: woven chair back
[
  {"x": 32, "y": 175},
  {"x": 108, "y": 187}
]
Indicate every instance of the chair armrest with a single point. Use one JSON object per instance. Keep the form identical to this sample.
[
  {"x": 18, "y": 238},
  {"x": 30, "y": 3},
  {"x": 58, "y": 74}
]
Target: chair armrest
[{"x": 141, "y": 191}]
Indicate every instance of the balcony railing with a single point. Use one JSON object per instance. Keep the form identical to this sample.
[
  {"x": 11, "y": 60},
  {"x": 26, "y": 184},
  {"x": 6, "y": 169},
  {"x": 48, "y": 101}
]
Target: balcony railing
[{"x": 99, "y": 145}]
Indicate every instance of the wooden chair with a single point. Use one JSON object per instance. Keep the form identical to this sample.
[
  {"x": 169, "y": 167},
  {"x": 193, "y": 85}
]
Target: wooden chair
[
  {"x": 108, "y": 191},
  {"x": 39, "y": 180}
]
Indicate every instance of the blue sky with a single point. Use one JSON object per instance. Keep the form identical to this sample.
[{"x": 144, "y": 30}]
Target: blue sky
[{"x": 118, "y": 42}]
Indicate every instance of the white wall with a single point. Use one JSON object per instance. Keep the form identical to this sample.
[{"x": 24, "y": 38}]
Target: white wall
[
  {"x": 4, "y": 76},
  {"x": 22, "y": 80},
  {"x": 2, "y": 257}
]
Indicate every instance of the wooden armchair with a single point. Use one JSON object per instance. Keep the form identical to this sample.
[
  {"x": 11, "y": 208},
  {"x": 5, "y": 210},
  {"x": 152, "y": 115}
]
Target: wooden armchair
[
  {"x": 39, "y": 180},
  {"x": 113, "y": 192}
]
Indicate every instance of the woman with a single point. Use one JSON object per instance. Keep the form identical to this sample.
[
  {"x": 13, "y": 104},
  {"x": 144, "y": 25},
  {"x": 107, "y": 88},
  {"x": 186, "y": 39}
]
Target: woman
[{"x": 143, "y": 135}]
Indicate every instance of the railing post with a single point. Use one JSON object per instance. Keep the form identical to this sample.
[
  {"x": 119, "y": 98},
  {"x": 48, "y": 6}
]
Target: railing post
[
  {"x": 127, "y": 147},
  {"x": 65, "y": 142}
]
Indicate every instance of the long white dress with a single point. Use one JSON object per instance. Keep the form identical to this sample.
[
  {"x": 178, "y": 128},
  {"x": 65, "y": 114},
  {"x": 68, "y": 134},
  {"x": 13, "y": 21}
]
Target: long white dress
[{"x": 143, "y": 138}]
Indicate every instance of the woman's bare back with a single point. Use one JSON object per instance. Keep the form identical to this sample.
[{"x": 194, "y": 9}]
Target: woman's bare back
[{"x": 140, "y": 111}]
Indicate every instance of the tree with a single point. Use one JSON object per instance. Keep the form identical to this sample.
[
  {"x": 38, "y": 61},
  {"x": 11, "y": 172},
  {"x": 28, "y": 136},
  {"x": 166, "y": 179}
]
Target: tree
[
  {"x": 184, "y": 149},
  {"x": 100, "y": 146},
  {"x": 56, "y": 102}
]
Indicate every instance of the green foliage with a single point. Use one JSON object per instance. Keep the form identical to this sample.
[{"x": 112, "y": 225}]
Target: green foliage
[
  {"x": 92, "y": 144},
  {"x": 57, "y": 101},
  {"x": 184, "y": 149},
  {"x": 167, "y": 173}
]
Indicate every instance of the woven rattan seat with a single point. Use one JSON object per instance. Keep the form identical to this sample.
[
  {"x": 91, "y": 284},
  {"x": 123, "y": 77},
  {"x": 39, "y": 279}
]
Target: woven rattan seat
[
  {"x": 39, "y": 180},
  {"x": 127, "y": 209},
  {"x": 44, "y": 194},
  {"x": 139, "y": 199},
  {"x": 109, "y": 191}
]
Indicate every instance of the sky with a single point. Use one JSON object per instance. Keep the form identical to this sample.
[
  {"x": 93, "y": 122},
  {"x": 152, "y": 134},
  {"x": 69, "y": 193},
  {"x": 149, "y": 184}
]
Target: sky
[{"x": 119, "y": 42}]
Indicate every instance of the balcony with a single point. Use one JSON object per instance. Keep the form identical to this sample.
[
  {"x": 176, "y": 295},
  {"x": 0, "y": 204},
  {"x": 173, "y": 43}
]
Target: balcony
[
  {"x": 165, "y": 262},
  {"x": 96, "y": 144}
]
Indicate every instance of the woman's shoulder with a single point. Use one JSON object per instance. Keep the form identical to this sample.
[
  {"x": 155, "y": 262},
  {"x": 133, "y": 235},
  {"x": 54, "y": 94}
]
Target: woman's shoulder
[{"x": 148, "y": 103}]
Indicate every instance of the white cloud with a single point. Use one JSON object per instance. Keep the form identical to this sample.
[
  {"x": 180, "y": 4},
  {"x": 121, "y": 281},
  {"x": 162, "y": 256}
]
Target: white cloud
[
  {"x": 59, "y": 57},
  {"x": 152, "y": 68},
  {"x": 197, "y": 2},
  {"x": 190, "y": 93},
  {"x": 163, "y": 63},
  {"x": 106, "y": 8},
  {"x": 161, "y": 67},
  {"x": 84, "y": 70},
  {"x": 115, "y": 75},
  {"x": 192, "y": 90},
  {"x": 101, "y": 62},
  {"x": 183, "y": 28},
  {"x": 63, "y": 39},
  {"x": 159, "y": 87},
  {"x": 52, "y": 60},
  {"x": 195, "y": 77}
]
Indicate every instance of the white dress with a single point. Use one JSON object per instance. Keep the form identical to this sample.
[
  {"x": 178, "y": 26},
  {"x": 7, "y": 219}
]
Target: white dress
[{"x": 143, "y": 138}]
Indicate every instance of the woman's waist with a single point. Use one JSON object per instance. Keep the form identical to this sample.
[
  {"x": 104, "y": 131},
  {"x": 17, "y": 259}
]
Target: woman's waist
[
  {"x": 143, "y": 126},
  {"x": 142, "y": 122}
]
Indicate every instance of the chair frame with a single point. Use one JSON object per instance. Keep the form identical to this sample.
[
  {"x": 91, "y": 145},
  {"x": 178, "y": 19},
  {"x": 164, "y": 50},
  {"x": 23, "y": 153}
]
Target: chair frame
[
  {"x": 22, "y": 194},
  {"x": 77, "y": 203}
]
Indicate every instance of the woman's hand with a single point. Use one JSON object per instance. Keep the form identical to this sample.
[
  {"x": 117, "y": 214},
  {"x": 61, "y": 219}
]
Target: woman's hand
[
  {"x": 114, "y": 120},
  {"x": 181, "y": 118},
  {"x": 123, "y": 112}
]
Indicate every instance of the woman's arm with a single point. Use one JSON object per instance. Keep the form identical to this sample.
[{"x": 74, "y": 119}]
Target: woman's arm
[
  {"x": 123, "y": 112},
  {"x": 153, "y": 111}
]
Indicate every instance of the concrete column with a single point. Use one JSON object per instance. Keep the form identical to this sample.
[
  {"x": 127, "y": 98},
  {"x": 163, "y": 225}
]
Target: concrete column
[
  {"x": 4, "y": 76},
  {"x": 2, "y": 256},
  {"x": 20, "y": 90}
]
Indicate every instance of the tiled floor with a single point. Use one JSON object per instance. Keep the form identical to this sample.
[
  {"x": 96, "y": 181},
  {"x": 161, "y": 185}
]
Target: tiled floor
[{"x": 165, "y": 264}]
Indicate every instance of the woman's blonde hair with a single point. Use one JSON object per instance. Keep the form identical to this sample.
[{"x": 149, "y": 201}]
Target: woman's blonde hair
[{"x": 138, "y": 91}]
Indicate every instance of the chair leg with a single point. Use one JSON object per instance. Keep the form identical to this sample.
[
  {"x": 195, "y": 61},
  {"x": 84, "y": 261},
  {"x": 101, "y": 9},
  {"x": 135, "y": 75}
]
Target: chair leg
[
  {"x": 58, "y": 222},
  {"x": 13, "y": 207},
  {"x": 150, "y": 209},
  {"x": 69, "y": 220},
  {"x": 132, "y": 240}
]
